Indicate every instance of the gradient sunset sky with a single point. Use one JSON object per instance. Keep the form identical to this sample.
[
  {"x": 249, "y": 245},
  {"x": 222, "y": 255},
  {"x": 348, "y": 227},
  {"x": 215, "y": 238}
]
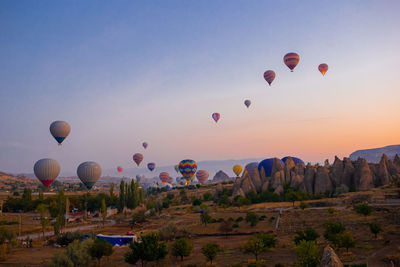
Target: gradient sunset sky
[{"x": 124, "y": 72}]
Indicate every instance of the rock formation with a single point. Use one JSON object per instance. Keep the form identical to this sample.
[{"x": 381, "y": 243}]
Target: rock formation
[
  {"x": 348, "y": 174},
  {"x": 330, "y": 259},
  {"x": 221, "y": 177}
]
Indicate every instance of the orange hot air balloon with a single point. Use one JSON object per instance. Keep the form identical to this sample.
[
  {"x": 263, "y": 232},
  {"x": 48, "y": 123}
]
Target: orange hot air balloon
[
  {"x": 269, "y": 76},
  {"x": 323, "y": 68},
  {"x": 291, "y": 60},
  {"x": 119, "y": 169}
]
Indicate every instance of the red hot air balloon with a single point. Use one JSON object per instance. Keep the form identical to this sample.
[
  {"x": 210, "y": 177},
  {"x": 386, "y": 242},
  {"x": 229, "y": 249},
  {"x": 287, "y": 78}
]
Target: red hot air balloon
[
  {"x": 119, "y": 169},
  {"x": 269, "y": 76},
  {"x": 291, "y": 60},
  {"x": 247, "y": 103},
  {"x": 323, "y": 68},
  {"x": 164, "y": 177},
  {"x": 137, "y": 158},
  {"x": 216, "y": 116}
]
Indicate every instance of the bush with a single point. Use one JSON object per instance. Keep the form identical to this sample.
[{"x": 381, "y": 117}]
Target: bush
[
  {"x": 303, "y": 205},
  {"x": 332, "y": 229},
  {"x": 331, "y": 210},
  {"x": 207, "y": 196},
  {"x": 345, "y": 240},
  {"x": 252, "y": 218},
  {"x": 168, "y": 232},
  {"x": 182, "y": 247},
  {"x": 148, "y": 249},
  {"x": 210, "y": 251},
  {"x": 196, "y": 202},
  {"x": 100, "y": 248},
  {"x": 239, "y": 219},
  {"x": 375, "y": 229},
  {"x": 363, "y": 208},
  {"x": 258, "y": 244},
  {"x": 78, "y": 252},
  {"x": 308, "y": 234},
  {"x": 138, "y": 217},
  {"x": 235, "y": 225},
  {"x": 308, "y": 253},
  {"x": 66, "y": 238}
]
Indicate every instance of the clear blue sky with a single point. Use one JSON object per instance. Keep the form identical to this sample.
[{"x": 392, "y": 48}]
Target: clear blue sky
[{"x": 124, "y": 72}]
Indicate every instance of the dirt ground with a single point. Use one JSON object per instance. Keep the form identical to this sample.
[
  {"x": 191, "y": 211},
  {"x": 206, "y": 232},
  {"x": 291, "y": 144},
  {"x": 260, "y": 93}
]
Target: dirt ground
[{"x": 368, "y": 249}]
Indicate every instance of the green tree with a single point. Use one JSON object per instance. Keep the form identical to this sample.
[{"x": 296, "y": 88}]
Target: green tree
[
  {"x": 375, "y": 229},
  {"x": 308, "y": 253},
  {"x": 207, "y": 196},
  {"x": 269, "y": 240},
  {"x": 148, "y": 249},
  {"x": 252, "y": 218},
  {"x": 210, "y": 251},
  {"x": 27, "y": 199},
  {"x": 363, "y": 208},
  {"x": 121, "y": 204},
  {"x": 308, "y": 234},
  {"x": 292, "y": 196},
  {"x": 168, "y": 232},
  {"x": 6, "y": 235},
  {"x": 182, "y": 247},
  {"x": 44, "y": 214},
  {"x": 255, "y": 245},
  {"x": 100, "y": 248},
  {"x": 205, "y": 218},
  {"x": 345, "y": 240},
  {"x": 78, "y": 252},
  {"x": 332, "y": 229},
  {"x": 103, "y": 210},
  {"x": 303, "y": 205}
]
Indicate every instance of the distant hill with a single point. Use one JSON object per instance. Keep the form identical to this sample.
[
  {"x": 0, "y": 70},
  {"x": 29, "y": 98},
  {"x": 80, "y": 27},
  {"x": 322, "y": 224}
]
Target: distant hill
[
  {"x": 374, "y": 155},
  {"x": 9, "y": 182}
]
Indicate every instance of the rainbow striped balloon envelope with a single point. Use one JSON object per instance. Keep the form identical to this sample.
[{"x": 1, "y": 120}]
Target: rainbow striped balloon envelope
[
  {"x": 202, "y": 176},
  {"x": 137, "y": 158},
  {"x": 269, "y": 76},
  {"x": 187, "y": 168},
  {"x": 164, "y": 177},
  {"x": 291, "y": 60}
]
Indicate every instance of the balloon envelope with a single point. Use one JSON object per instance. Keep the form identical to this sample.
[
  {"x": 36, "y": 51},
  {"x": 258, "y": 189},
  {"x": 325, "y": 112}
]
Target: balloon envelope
[
  {"x": 145, "y": 144},
  {"x": 176, "y": 168},
  {"x": 267, "y": 164},
  {"x": 216, "y": 116},
  {"x": 60, "y": 130},
  {"x": 89, "y": 172},
  {"x": 46, "y": 170},
  {"x": 291, "y": 60},
  {"x": 137, "y": 158},
  {"x": 296, "y": 161},
  {"x": 151, "y": 166},
  {"x": 202, "y": 176},
  {"x": 247, "y": 103},
  {"x": 188, "y": 168},
  {"x": 164, "y": 177},
  {"x": 323, "y": 68},
  {"x": 251, "y": 167},
  {"x": 237, "y": 169},
  {"x": 119, "y": 169},
  {"x": 269, "y": 76}
]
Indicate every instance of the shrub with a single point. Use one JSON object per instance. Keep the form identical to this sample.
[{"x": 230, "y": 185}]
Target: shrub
[
  {"x": 182, "y": 247},
  {"x": 345, "y": 240},
  {"x": 138, "y": 217},
  {"x": 210, "y": 251},
  {"x": 148, "y": 249},
  {"x": 252, "y": 218},
  {"x": 331, "y": 210},
  {"x": 308, "y": 234},
  {"x": 207, "y": 196},
  {"x": 66, "y": 238},
  {"x": 196, "y": 202},
  {"x": 235, "y": 225},
  {"x": 239, "y": 219},
  {"x": 78, "y": 252},
  {"x": 100, "y": 248},
  {"x": 168, "y": 232},
  {"x": 332, "y": 229},
  {"x": 205, "y": 218},
  {"x": 375, "y": 228},
  {"x": 303, "y": 205},
  {"x": 308, "y": 253},
  {"x": 363, "y": 208},
  {"x": 258, "y": 244}
]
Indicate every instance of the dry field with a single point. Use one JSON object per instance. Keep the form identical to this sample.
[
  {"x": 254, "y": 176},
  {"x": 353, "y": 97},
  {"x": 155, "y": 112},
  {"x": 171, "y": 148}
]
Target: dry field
[{"x": 368, "y": 249}]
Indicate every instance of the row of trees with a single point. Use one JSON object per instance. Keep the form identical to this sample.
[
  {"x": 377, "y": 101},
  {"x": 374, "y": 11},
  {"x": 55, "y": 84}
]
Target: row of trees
[{"x": 130, "y": 195}]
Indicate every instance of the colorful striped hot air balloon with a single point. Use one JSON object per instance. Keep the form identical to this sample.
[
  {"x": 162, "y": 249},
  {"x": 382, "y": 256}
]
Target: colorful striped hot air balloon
[
  {"x": 151, "y": 166},
  {"x": 119, "y": 169},
  {"x": 247, "y": 103},
  {"x": 323, "y": 68},
  {"x": 60, "y": 130},
  {"x": 202, "y": 176},
  {"x": 164, "y": 177},
  {"x": 89, "y": 172},
  {"x": 291, "y": 60},
  {"x": 269, "y": 76},
  {"x": 216, "y": 116},
  {"x": 46, "y": 170},
  {"x": 188, "y": 168},
  {"x": 145, "y": 144},
  {"x": 237, "y": 169},
  {"x": 137, "y": 158},
  {"x": 171, "y": 180}
]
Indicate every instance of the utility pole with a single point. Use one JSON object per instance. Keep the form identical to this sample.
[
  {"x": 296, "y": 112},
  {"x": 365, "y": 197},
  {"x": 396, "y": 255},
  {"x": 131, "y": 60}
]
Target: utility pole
[{"x": 20, "y": 225}]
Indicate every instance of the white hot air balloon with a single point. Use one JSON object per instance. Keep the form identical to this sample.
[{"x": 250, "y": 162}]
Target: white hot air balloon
[
  {"x": 60, "y": 130},
  {"x": 89, "y": 172},
  {"x": 46, "y": 170}
]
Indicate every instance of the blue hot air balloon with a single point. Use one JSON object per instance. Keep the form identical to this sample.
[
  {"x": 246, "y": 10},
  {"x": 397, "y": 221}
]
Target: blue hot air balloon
[
  {"x": 266, "y": 164},
  {"x": 296, "y": 161}
]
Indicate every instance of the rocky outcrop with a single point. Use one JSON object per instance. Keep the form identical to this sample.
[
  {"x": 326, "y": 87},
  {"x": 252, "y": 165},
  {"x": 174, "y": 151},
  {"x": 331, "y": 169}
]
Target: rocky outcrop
[
  {"x": 330, "y": 259},
  {"x": 221, "y": 177},
  {"x": 342, "y": 175}
]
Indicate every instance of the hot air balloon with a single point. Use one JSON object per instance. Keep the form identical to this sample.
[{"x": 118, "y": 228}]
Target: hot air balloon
[
  {"x": 188, "y": 168},
  {"x": 202, "y": 176},
  {"x": 171, "y": 180},
  {"x": 269, "y": 76},
  {"x": 46, "y": 170},
  {"x": 296, "y": 161},
  {"x": 267, "y": 164},
  {"x": 247, "y": 103},
  {"x": 89, "y": 172},
  {"x": 60, "y": 130},
  {"x": 151, "y": 166},
  {"x": 137, "y": 158},
  {"x": 119, "y": 169},
  {"x": 216, "y": 116},
  {"x": 323, "y": 68},
  {"x": 176, "y": 168},
  {"x": 251, "y": 168},
  {"x": 237, "y": 169},
  {"x": 164, "y": 177},
  {"x": 145, "y": 145},
  {"x": 291, "y": 60}
]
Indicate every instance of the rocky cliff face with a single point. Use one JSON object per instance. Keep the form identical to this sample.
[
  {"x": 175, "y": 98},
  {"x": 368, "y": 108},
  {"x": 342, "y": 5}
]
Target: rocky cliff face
[
  {"x": 221, "y": 177},
  {"x": 330, "y": 259},
  {"x": 342, "y": 174}
]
